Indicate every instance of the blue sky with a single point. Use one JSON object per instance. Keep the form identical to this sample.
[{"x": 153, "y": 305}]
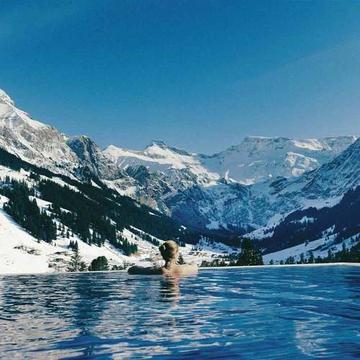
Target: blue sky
[{"x": 199, "y": 75}]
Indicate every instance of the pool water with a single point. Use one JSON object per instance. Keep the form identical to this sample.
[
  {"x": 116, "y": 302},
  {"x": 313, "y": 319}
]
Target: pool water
[{"x": 260, "y": 313}]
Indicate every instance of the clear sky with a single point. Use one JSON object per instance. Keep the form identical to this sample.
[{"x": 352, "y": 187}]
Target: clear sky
[{"x": 199, "y": 75}]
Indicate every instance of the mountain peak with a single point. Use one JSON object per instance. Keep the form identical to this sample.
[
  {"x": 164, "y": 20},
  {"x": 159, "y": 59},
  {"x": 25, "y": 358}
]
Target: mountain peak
[
  {"x": 258, "y": 138},
  {"x": 158, "y": 147},
  {"x": 112, "y": 147},
  {"x": 158, "y": 143},
  {"x": 355, "y": 146},
  {"x": 5, "y": 98},
  {"x": 81, "y": 138}
]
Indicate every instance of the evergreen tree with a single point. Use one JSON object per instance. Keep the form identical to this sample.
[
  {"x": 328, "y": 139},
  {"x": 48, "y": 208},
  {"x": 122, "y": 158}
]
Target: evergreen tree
[
  {"x": 249, "y": 255},
  {"x": 290, "y": 260},
  {"x": 302, "y": 259},
  {"x": 330, "y": 256},
  {"x": 99, "y": 264},
  {"x": 26, "y": 212},
  {"x": 76, "y": 263}
]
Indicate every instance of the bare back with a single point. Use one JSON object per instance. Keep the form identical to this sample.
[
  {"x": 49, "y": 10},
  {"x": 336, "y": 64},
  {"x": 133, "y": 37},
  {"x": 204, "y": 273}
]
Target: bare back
[
  {"x": 175, "y": 271},
  {"x": 180, "y": 270}
]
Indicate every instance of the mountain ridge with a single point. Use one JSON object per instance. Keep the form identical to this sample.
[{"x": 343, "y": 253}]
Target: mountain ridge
[{"x": 248, "y": 188}]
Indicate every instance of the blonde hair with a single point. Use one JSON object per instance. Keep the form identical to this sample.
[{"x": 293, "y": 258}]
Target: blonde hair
[{"x": 169, "y": 250}]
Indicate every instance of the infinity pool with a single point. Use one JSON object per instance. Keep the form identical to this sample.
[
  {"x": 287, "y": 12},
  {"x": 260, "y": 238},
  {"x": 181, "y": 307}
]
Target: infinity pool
[{"x": 262, "y": 313}]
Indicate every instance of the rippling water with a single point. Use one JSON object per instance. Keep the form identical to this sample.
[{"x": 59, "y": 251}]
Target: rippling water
[{"x": 270, "y": 313}]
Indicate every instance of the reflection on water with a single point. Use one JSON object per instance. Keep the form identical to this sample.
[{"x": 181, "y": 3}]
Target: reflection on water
[
  {"x": 170, "y": 290},
  {"x": 298, "y": 313}
]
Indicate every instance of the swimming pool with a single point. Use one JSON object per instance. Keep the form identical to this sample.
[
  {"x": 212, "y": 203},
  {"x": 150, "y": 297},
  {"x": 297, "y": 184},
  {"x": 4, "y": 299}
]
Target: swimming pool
[{"x": 262, "y": 313}]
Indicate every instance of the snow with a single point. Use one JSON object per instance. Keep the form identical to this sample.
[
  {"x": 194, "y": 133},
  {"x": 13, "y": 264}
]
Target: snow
[
  {"x": 123, "y": 187},
  {"x": 305, "y": 220},
  {"x": 22, "y": 253},
  {"x": 153, "y": 214},
  {"x": 5, "y": 98},
  {"x": 32, "y": 140},
  {"x": 318, "y": 247},
  {"x": 19, "y": 251},
  {"x": 310, "y": 144},
  {"x": 159, "y": 157},
  {"x": 321, "y": 203},
  {"x": 268, "y": 230},
  {"x": 213, "y": 225},
  {"x": 14, "y": 175},
  {"x": 260, "y": 158},
  {"x": 60, "y": 182},
  {"x": 94, "y": 184},
  {"x": 256, "y": 163},
  {"x": 253, "y": 184}
]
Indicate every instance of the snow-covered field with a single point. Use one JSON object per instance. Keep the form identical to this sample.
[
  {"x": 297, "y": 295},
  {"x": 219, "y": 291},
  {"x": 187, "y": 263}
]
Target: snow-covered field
[
  {"x": 21, "y": 253},
  {"x": 319, "y": 248}
]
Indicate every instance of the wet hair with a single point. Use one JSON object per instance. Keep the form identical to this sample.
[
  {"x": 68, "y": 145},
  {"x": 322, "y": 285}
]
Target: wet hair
[{"x": 169, "y": 250}]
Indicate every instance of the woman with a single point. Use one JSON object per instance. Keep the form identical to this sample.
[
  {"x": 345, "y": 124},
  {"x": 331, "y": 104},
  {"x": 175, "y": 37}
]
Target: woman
[{"x": 170, "y": 252}]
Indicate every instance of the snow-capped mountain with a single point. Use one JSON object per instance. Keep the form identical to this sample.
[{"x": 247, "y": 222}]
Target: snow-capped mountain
[
  {"x": 252, "y": 188},
  {"x": 32, "y": 140},
  {"x": 92, "y": 159},
  {"x": 258, "y": 159},
  {"x": 254, "y": 160},
  {"x": 315, "y": 232},
  {"x": 233, "y": 189},
  {"x": 337, "y": 176},
  {"x": 325, "y": 185},
  {"x": 161, "y": 158},
  {"x": 196, "y": 188},
  {"x": 41, "y": 213}
]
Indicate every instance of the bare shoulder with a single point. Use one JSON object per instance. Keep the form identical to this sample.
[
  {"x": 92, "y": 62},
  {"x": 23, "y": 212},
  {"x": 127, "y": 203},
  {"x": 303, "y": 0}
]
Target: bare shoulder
[
  {"x": 179, "y": 270},
  {"x": 187, "y": 270}
]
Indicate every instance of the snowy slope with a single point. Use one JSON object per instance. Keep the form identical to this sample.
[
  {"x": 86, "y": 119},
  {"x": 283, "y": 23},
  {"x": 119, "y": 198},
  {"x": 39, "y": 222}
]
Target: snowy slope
[
  {"x": 205, "y": 191},
  {"x": 255, "y": 159},
  {"x": 159, "y": 157},
  {"x": 248, "y": 188},
  {"x": 261, "y": 158},
  {"x": 230, "y": 204},
  {"x": 19, "y": 251},
  {"x": 231, "y": 189},
  {"x": 317, "y": 248},
  {"x": 22, "y": 253}
]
